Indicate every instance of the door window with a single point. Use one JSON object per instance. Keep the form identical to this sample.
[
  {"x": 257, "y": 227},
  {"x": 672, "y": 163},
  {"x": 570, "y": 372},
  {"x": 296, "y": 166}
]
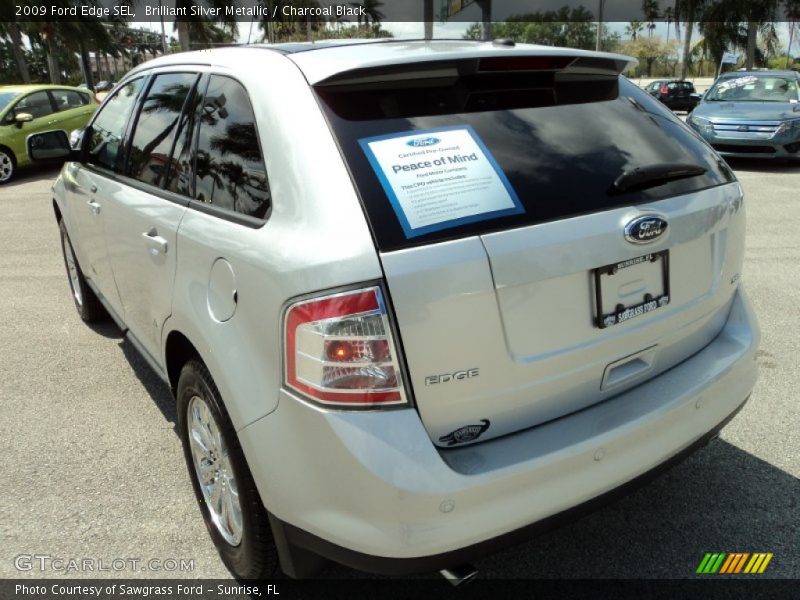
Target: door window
[
  {"x": 156, "y": 127},
  {"x": 37, "y": 104},
  {"x": 180, "y": 177},
  {"x": 108, "y": 127},
  {"x": 230, "y": 171}
]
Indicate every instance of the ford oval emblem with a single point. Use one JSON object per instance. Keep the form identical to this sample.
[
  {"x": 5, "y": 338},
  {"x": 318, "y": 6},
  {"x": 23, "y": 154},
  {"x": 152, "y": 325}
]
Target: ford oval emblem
[
  {"x": 643, "y": 230},
  {"x": 423, "y": 141}
]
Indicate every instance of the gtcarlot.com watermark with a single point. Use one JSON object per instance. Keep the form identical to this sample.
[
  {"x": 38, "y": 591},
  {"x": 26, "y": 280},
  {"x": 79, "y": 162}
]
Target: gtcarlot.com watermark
[{"x": 42, "y": 563}]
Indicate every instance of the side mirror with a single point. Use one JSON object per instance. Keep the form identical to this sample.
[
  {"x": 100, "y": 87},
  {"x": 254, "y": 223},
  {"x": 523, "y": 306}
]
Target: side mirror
[
  {"x": 76, "y": 138},
  {"x": 50, "y": 145},
  {"x": 21, "y": 118}
]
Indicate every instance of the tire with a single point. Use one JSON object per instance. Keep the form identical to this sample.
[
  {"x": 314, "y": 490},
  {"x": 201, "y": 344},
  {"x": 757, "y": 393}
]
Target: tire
[
  {"x": 8, "y": 165},
  {"x": 86, "y": 302},
  {"x": 211, "y": 447}
]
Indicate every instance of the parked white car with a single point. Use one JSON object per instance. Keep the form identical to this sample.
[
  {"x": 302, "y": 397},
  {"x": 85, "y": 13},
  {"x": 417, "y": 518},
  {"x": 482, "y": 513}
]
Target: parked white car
[{"x": 415, "y": 300}]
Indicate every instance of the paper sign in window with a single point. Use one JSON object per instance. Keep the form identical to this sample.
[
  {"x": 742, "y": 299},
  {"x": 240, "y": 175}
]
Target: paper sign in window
[{"x": 440, "y": 178}]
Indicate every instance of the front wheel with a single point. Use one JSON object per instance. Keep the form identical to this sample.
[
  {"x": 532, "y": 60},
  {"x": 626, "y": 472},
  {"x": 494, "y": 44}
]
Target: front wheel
[
  {"x": 223, "y": 485},
  {"x": 8, "y": 165},
  {"x": 86, "y": 302}
]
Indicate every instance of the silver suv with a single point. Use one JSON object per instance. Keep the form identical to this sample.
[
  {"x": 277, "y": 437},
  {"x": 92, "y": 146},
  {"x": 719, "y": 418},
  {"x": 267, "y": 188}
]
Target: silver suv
[{"x": 414, "y": 300}]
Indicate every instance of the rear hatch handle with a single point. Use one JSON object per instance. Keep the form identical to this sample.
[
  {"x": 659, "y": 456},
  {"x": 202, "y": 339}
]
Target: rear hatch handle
[{"x": 652, "y": 175}]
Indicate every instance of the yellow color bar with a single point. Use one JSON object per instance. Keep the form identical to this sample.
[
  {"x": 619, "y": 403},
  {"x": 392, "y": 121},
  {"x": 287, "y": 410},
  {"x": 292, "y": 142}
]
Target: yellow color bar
[{"x": 764, "y": 564}]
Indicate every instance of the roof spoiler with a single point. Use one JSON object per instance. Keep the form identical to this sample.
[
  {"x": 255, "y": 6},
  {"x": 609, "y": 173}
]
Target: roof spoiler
[{"x": 576, "y": 63}]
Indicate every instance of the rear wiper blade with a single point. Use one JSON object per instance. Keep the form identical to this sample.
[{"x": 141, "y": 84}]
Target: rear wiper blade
[{"x": 650, "y": 176}]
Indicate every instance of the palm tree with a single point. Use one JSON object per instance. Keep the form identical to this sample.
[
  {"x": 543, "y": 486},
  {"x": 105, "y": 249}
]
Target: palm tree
[
  {"x": 650, "y": 11},
  {"x": 633, "y": 29},
  {"x": 686, "y": 11},
  {"x": 762, "y": 12},
  {"x": 669, "y": 16},
  {"x": 9, "y": 27},
  {"x": 193, "y": 26}
]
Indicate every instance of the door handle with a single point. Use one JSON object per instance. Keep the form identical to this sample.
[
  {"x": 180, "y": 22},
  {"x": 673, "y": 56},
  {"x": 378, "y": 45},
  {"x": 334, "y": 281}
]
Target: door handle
[
  {"x": 94, "y": 207},
  {"x": 93, "y": 188},
  {"x": 155, "y": 243}
]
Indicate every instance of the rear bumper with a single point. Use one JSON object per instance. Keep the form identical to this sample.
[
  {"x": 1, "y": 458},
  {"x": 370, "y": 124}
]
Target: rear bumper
[{"x": 371, "y": 491}]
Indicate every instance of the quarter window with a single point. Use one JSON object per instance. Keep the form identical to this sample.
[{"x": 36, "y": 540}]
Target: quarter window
[
  {"x": 149, "y": 156},
  {"x": 109, "y": 125},
  {"x": 230, "y": 170}
]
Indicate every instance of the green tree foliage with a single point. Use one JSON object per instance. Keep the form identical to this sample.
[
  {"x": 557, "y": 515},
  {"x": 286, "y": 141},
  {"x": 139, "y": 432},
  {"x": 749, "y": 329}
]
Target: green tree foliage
[
  {"x": 570, "y": 27},
  {"x": 650, "y": 51}
]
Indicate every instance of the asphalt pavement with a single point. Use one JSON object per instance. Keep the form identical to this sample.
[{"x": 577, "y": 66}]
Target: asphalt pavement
[{"x": 93, "y": 468}]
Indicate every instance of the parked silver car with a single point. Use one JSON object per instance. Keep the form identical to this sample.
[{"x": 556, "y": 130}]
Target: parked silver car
[{"x": 414, "y": 300}]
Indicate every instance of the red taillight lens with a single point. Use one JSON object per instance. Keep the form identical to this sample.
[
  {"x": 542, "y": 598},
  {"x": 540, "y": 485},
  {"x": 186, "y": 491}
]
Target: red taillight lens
[
  {"x": 663, "y": 90},
  {"x": 340, "y": 351}
]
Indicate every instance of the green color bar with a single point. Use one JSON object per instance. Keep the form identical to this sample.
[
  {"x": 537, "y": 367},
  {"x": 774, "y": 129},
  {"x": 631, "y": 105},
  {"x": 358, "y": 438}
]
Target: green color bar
[
  {"x": 701, "y": 568},
  {"x": 718, "y": 564}
]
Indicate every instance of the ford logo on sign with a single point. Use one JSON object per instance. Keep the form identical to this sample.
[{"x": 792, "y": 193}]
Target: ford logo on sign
[
  {"x": 425, "y": 141},
  {"x": 643, "y": 230}
]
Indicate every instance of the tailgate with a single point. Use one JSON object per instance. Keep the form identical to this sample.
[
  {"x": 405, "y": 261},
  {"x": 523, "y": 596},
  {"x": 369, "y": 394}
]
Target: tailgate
[{"x": 500, "y": 331}]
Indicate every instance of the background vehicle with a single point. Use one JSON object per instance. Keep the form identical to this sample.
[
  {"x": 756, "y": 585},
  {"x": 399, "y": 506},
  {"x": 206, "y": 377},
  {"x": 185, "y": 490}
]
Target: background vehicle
[
  {"x": 752, "y": 114},
  {"x": 403, "y": 381},
  {"x": 675, "y": 94},
  {"x": 30, "y": 109}
]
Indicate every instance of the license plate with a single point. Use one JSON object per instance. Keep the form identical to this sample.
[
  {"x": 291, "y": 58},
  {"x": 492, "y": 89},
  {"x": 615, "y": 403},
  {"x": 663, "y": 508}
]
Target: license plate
[{"x": 631, "y": 288}]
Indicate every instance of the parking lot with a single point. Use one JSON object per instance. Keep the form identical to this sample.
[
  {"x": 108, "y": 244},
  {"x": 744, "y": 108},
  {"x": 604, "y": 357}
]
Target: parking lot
[{"x": 93, "y": 467}]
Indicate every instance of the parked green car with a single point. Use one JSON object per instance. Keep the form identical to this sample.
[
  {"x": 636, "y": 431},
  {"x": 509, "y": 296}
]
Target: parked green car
[{"x": 27, "y": 109}]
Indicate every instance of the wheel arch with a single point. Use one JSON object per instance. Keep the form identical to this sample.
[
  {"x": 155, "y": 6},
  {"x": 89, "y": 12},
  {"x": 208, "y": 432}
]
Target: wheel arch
[
  {"x": 57, "y": 211},
  {"x": 178, "y": 350}
]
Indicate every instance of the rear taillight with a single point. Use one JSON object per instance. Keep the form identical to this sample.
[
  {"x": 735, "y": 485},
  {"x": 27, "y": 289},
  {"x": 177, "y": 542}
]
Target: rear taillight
[
  {"x": 663, "y": 90},
  {"x": 340, "y": 351}
]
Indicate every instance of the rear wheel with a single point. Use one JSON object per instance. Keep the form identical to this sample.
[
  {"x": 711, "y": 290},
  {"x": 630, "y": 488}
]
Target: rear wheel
[
  {"x": 86, "y": 302},
  {"x": 223, "y": 485},
  {"x": 8, "y": 165}
]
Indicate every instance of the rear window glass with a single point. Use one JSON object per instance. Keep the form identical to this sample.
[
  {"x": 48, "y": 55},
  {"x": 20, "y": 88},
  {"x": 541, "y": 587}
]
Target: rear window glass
[
  {"x": 555, "y": 147},
  {"x": 67, "y": 99}
]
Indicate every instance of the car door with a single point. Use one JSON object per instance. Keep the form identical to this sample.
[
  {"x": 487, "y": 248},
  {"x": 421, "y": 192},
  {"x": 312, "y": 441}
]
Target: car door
[
  {"x": 40, "y": 106},
  {"x": 142, "y": 218},
  {"x": 90, "y": 186}
]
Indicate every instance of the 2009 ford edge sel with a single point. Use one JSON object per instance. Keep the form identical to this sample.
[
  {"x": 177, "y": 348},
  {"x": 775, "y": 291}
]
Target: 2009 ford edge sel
[{"x": 414, "y": 299}]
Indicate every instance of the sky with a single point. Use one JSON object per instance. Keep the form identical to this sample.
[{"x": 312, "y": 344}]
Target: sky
[{"x": 403, "y": 17}]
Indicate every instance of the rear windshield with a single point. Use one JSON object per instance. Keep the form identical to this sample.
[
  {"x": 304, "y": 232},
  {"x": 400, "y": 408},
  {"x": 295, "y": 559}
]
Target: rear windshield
[
  {"x": 439, "y": 159},
  {"x": 680, "y": 85}
]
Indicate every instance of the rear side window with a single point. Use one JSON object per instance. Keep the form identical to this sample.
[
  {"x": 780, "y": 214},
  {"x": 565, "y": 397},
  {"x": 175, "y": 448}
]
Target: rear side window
[
  {"x": 156, "y": 126},
  {"x": 67, "y": 99},
  {"x": 229, "y": 167},
  {"x": 109, "y": 125},
  {"x": 554, "y": 147}
]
